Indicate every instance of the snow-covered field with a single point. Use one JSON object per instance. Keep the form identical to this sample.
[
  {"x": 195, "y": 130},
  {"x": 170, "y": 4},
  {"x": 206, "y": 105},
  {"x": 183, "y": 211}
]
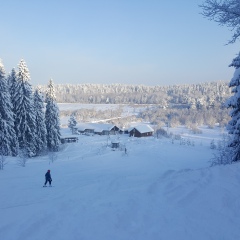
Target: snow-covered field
[
  {"x": 127, "y": 109},
  {"x": 157, "y": 191},
  {"x": 132, "y": 108}
]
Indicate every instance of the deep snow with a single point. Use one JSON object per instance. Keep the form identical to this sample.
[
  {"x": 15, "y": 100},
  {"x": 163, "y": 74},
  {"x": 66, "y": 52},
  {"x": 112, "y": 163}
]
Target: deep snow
[{"x": 159, "y": 190}]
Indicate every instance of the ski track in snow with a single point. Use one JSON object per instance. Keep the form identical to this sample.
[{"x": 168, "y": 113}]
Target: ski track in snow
[{"x": 158, "y": 191}]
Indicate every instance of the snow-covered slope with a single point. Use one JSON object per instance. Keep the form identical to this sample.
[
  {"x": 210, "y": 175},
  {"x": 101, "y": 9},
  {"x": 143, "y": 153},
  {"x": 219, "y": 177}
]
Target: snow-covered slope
[{"x": 159, "y": 190}]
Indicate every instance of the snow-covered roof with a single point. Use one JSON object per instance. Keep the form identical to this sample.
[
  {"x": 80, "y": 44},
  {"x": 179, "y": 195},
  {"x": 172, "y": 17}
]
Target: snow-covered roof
[
  {"x": 97, "y": 127},
  {"x": 84, "y": 126},
  {"x": 143, "y": 128}
]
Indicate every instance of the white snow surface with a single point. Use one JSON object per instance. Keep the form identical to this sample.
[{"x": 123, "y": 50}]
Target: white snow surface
[{"x": 157, "y": 191}]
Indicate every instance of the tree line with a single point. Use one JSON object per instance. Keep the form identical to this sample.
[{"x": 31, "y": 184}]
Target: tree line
[
  {"x": 27, "y": 127},
  {"x": 189, "y": 95},
  {"x": 192, "y": 105}
]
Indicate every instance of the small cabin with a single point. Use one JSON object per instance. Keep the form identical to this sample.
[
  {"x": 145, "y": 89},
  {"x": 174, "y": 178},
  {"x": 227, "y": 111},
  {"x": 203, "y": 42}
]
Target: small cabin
[
  {"x": 105, "y": 129},
  {"x": 85, "y": 128},
  {"x": 97, "y": 128},
  {"x": 141, "y": 131}
]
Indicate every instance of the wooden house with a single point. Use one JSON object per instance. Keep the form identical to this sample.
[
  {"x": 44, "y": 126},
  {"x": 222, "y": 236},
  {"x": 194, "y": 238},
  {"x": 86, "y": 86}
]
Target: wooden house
[
  {"x": 85, "y": 128},
  {"x": 105, "y": 128},
  {"x": 97, "y": 128},
  {"x": 143, "y": 130}
]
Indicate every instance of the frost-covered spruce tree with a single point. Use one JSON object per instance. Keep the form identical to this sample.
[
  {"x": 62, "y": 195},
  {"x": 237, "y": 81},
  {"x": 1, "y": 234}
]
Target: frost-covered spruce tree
[
  {"x": 8, "y": 139},
  {"x": 25, "y": 115},
  {"x": 72, "y": 122},
  {"x": 52, "y": 119},
  {"x": 234, "y": 103},
  {"x": 41, "y": 133},
  {"x": 12, "y": 83}
]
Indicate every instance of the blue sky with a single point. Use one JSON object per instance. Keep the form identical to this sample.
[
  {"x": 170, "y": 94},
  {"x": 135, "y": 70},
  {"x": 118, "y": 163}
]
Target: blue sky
[{"x": 149, "y": 42}]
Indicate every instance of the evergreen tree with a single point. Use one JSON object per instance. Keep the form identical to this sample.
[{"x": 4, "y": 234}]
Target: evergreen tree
[
  {"x": 52, "y": 119},
  {"x": 12, "y": 83},
  {"x": 41, "y": 141},
  {"x": 8, "y": 140},
  {"x": 72, "y": 122},
  {"x": 234, "y": 103},
  {"x": 25, "y": 116},
  {"x": 227, "y": 13}
]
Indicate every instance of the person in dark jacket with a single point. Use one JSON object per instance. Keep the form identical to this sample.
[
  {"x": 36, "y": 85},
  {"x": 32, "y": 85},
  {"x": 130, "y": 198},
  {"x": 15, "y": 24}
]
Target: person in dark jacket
[{"x": 48, "y": 178}]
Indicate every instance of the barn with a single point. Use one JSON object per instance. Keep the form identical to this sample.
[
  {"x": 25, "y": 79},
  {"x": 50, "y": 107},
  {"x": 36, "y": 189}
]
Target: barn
[{"x": 143, "y": 130}]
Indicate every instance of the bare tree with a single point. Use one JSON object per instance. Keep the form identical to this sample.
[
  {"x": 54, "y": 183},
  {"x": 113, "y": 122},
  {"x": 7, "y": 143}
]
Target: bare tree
[{"x": 226, "y": 13}]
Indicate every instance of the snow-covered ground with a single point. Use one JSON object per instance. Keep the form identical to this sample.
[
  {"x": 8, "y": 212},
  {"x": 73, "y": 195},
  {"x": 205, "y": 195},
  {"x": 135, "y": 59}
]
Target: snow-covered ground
[
  {"x": 158, "y": 190},
  {"x": 77, "y": 106},
  {"x": 207, "y": 135},
  {"x": 127, "y": 109},
  {"x": 132, "y": 108}
]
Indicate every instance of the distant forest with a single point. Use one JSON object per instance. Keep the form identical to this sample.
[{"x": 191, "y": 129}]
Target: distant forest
[
  {"x": 190, "y": 96},
  {"x": 191, "y": 105}
]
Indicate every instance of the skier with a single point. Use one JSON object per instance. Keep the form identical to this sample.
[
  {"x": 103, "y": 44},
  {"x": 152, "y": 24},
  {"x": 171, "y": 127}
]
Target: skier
[{"x": 48, "y": 178}]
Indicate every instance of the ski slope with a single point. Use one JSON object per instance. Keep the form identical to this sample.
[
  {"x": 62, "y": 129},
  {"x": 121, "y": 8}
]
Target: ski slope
[{"x": 159, "y": 190}]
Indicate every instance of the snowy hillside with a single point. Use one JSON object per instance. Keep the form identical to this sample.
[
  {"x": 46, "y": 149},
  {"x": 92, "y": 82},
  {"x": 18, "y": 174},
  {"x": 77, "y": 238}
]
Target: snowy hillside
[{"x": 158, "y": 190}]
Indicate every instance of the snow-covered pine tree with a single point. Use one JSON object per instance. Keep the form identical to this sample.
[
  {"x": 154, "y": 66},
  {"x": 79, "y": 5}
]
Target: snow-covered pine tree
[
  {"x": 72, "y": 122},
  {"x": 12, "y": 83},
  {"x": 25, "y": 115},
  {"x": 52, "y": 119},
  {"x": 8, "y": 139},
  {"x": 234, "y": 103},
  {"x": 41, "y": 132}
]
